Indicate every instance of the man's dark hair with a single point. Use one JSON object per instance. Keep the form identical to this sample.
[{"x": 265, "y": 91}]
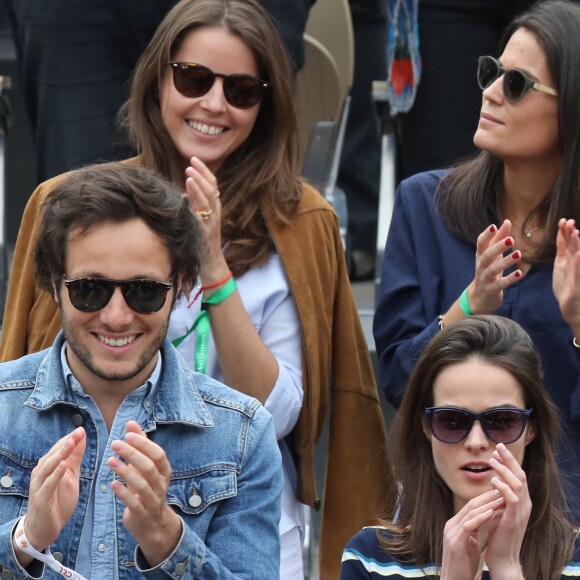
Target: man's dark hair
[{"x": 116, "y": 192}]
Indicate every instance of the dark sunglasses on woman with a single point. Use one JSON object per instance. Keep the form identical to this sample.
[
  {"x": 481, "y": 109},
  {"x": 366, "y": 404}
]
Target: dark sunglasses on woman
[
  {"x": 515, "y": 83},
  {"x": 142, "y": 296},
  {"x": 195, "y": 80},
  {"x": 501, "y": 425}
]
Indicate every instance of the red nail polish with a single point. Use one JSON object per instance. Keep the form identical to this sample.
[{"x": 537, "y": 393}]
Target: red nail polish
[
  {"x": 509, "y": 242},
  {"x": 492, "y": 228},
  {"x": 516, "y": 255},
  {"x": 518, "y": 274}
]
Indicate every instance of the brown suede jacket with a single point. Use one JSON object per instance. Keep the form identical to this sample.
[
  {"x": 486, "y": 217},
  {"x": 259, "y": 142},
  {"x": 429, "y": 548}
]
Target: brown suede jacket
[{"x": 337, "y": 371}]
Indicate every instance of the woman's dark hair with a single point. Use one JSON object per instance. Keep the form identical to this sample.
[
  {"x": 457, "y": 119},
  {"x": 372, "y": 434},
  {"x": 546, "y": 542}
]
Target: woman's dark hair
[
  {"x": 426, "y": 502},
  {"x": 470, "y": 194},
  {"x": 261, "y": 176},
  {"x": 116, "y": 192}
]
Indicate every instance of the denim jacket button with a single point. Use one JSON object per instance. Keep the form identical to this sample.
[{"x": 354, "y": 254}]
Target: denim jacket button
[
  {"x": 194, "y": 500},
  {"x": 6, "y": 575},
  {"x": 58, "y": 557},
  {"x": 179, "y": 568},
  {"x": 77, "y": 420},
  {"x": 6, "y": 481}
]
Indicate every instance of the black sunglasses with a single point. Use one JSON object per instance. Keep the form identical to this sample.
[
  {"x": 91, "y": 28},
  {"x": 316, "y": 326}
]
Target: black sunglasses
[
  {"x": 515, "y": 83},
  {"x": 502, "y": 425},
  {"x": 92, "y": 294},
  {"x": 195, "y": 80}
]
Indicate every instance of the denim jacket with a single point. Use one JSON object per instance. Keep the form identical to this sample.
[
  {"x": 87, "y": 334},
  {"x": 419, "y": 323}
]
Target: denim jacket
[{"x": 221, "y": 446}]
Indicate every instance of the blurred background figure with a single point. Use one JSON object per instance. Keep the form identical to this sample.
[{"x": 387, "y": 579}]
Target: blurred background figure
[{"x": 360, "y": 167}]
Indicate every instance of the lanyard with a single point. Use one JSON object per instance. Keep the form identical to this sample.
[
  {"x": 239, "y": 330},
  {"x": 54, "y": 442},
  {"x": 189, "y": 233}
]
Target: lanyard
[
  {"x": 24, "y": 545},
  {"x": 202, "y": 324}
]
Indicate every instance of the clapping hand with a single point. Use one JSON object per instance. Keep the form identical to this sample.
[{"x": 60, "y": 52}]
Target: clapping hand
[
  {"x": 146, "y": 472},
  {"x": 202, "y": 190},
  {"x": 566, "y": 276},
  {"x": 508, "y": 525},
  {"x": 493, "y": 523},
  {"x": 461, "y": 538},
  {"x": 54, "y": 490},
  {"x": 485, "y": 293}
]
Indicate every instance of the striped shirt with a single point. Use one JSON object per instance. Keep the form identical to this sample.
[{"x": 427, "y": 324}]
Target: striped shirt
[{"x": 364, "y": 558}]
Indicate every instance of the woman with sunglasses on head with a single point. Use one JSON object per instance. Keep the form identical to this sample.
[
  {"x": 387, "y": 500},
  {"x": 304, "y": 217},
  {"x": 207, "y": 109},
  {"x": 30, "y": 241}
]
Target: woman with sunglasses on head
[
  {"x": 479, "y": 487},
  {"x": 211, "y": 108},
  {"x": 498, "y": 232}
]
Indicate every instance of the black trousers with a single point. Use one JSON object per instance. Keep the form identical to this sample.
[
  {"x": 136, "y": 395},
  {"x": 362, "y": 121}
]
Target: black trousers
[{"x": 360, "y": 167}]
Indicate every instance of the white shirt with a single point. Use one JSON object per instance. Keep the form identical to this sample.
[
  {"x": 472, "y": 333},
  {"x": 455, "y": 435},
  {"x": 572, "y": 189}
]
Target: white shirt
[{"x": 266, "y": 296}]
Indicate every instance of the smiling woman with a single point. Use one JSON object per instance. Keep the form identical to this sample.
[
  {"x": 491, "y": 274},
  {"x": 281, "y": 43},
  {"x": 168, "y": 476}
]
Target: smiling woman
[
  {"x": 209, "y": 123},
  {"x": 476, "y": 439}
]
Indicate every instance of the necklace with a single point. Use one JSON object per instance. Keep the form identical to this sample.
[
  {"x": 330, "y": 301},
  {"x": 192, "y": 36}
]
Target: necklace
[{"x": 529, "y": 233}]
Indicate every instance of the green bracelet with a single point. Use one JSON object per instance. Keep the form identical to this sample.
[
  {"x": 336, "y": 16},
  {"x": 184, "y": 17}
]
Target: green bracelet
[
  {"x": 222, "y": 293},
  {"x": 464, "y": 304},
  {"x": 215, "y": 298}
]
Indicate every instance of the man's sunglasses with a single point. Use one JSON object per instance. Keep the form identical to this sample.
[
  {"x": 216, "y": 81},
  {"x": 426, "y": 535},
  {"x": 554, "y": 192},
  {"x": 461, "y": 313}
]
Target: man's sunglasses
[
  {"x": 195, "y": 80},
  {"x": 92, "y": 294},
  {"x": 515, "y": 83},
  {"x": 502, "y": 425}
]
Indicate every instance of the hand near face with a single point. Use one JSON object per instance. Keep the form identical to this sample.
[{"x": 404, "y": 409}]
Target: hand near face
[
  {"x": 485, "y": 293},
  {"x": 566, "y": 275},
  {"x": 502, "y": 514},
  {"x": 461, "y": 538},
  {"x": 146, "y": 473},
  {"x": 54, "y": 490},
  {"x": 202, "y": 191},
  {"x": 508, "y": 525}
]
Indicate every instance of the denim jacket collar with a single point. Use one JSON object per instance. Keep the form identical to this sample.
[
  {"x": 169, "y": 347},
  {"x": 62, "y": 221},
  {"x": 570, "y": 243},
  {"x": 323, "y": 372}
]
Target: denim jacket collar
[{"x": 176, "y": 386}]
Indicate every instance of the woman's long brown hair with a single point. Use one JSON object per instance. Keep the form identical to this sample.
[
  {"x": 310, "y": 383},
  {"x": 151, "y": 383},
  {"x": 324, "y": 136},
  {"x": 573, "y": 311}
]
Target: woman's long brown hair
[
  {"x": 261, "y": 177},
  {"x": 426, "y": 503}
]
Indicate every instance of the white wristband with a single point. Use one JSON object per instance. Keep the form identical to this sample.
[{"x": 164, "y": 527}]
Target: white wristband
[{"x": 24, "y": 545}]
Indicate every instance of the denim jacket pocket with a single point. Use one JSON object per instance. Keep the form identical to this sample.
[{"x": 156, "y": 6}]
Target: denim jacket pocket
[
  {"x": 15, "y": 476},
  {"x": 192, "y": 493}
]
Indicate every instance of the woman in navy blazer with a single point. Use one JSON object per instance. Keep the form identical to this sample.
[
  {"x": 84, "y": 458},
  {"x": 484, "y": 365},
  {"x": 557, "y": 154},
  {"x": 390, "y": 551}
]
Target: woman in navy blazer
[{"x": 498, "y": 233}]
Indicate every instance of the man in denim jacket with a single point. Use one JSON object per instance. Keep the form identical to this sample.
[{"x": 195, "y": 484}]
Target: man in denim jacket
[{"x": 116, "y": 460}]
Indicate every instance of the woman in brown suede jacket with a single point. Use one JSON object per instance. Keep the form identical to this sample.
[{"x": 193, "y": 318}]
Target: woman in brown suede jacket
[{"x": 240, "y": 163}]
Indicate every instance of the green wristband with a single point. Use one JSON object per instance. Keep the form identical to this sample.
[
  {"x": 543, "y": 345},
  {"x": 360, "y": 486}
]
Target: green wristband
[
  {"x": 464, "y": 304},
  {"x": 215, "y": 298},
  {"x": 219, "y": 295}
]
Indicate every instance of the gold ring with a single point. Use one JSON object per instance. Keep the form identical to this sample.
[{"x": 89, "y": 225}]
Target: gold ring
[
  {"x": 204, "y": 215},
  {"x": 217, "y": 193}
]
